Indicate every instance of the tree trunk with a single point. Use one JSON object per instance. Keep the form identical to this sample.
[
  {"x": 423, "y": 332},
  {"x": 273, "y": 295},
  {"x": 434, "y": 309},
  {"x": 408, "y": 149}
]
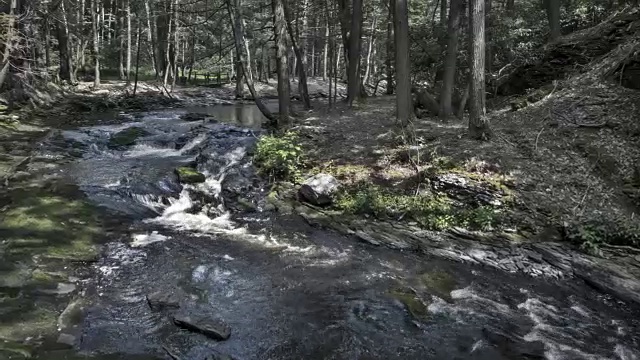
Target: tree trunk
[
  {"x": 404, "y": 107},
  {"x": 372, "y": 38},
  {"x": 238, "y": 28},
  {"x": 478, "y": 122},
  {"x": 96, "y": 38},
  {"x": 167, "y": 54},
  {"x": 120, "y": 38},
  {"x": 128, "y": 14},
  {"x": 390, "y": 49},
  {"x": 326, "y": 47},
  {"x": 239, "y": 45},
  {"x": 448, "y": 81},
  {"x": 8, "y": 46},
  {"x": 279, "y": 29},
  {"x": 489, "y": 36},
  {"x": 151, "y": 38},
  {"x": 443, "y": 13},
  {"x": 302, "y": 70},
  {"x": 553, "y": 14},
  {"x": 135, "y": 83},
  {"x": 355, "y": 42}
]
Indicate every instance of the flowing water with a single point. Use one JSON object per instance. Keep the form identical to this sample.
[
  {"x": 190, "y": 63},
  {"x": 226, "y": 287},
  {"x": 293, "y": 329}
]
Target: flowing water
[{"x": 291, "y": 291}]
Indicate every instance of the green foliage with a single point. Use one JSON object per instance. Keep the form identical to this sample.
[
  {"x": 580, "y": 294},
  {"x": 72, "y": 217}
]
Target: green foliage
[
  {"x": 591, "y": 234},
  {"x": 279, "y": 157},
  {"x": 435, "y": 212}
]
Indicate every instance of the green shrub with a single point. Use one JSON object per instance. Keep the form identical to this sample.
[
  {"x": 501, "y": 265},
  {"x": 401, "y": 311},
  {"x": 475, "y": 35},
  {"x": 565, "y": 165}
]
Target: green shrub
[
  {"x": 591, "y": 234},
  {"x": 279, "y": 157},
  {"x": 436, "y": 212}
]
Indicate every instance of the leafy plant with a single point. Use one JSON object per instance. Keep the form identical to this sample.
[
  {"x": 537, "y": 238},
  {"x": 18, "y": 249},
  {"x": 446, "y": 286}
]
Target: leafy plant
[
  {"x": 591, "y": 234},
  {"x": 279, "y": 157}
]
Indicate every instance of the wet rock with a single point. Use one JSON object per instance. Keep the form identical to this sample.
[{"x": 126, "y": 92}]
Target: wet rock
[
  {"x": 188, "y": 175},
  {"x": 66, "y": 340},
  {"x": 193, "y": 117},
  {"x": 126, "y": 137},
  {"x": 319, "y": 189},
  {"x": 208, "y": 326},
  {"x": 218, "y": 356},
  {"x": 161, "y": 300},
  {"x": 72, "y": 315},
  {"x": 60, "y": 289}
]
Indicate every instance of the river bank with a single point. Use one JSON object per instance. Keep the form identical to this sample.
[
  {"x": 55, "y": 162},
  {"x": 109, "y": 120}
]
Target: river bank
[{"x": 94, "y": 231}]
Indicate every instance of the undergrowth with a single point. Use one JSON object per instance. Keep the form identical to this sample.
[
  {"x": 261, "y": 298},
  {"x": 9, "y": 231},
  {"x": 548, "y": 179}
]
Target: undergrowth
[
  {"x": 434, "y": 212},
  {"x": 592, "y": 234},
  {"x": 279, "y": 157}
]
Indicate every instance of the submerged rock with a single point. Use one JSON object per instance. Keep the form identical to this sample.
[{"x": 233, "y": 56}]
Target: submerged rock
[
  {"x": 319, "y": 189},
  {"x": 126, "y": 137},
  {"x": 193, "y": 117},
  {"x": 208, "y": 326},
  {"x": 161, "y": 300},
  {"x": 188, "y": 175}
]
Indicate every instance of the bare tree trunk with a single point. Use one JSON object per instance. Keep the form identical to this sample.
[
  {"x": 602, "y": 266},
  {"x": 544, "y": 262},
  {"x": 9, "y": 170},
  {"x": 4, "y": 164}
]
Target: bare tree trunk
[
  {"x": 302, "y": 71},
  {"x": 176, "y": 45},
  {"x": 151, "y": 38},
  {"x": 372, "y": 38},
  {"x": 96, "y": 38},
  {"x": 47, "y": 49},
  {"x": 167, "y": 59},
  {"x": 355, "y": 43},
  {"x": 120, "y": 37},
  {"x": 553, "y": 14},
  {"x": 135, "y": 81},
  {"x": 488, "y": 36},
  {"x": 390, "y": 49},
  {"x": 234, "y": 18},
  {"x": 453, "y": 29},
  {"x": 404, "y": 107},
  {"x": 478, "y": 122},
  {"x": 8, "y": 46},
  {"x": 238, "y": 28},
  {"x": 279, "y": 28},
  {"x": 443, "y": 13},
  {"x": 128, "y": 14},
  {"x": 326, "y": 45}
]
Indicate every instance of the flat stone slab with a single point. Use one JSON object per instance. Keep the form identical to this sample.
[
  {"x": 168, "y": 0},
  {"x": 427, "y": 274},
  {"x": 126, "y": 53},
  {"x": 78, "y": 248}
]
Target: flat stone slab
[
  {"x": 211, "y": 327},
  {"x": 161, "y": 300}
]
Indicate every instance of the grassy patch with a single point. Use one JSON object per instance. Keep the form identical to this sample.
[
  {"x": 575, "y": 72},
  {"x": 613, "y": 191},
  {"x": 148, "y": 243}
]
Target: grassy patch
[{"x": 436, "y": 212}]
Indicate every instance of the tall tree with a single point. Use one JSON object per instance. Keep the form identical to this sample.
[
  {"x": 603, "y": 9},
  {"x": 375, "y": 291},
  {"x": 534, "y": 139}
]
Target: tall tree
[
  {"x": 390, "y": 49},
  {"x": 453, "y": 30},
  {"x": 478, "y": 122},
  {"x": 553, "y": 14},
  {"x": 95, "y": 18},
  {"x": 404, "y": 106},
  {"x": 302, "y": 66},
  {"x": 354, "y": 81},
  {"x": 280, "y": 32}
]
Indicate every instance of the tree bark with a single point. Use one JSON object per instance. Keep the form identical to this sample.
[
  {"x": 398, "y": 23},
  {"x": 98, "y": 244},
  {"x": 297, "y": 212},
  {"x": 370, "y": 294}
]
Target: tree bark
[
  {"x": 8, "y": 46},
  {"x": 302, "y": 70},
  {"x": 553, "y": 14},
  {"x": 478, "y": 122},
  {"x": 96, "y": 44},
  {"x": 372, "y": 38},
  {"x": 326, "y": 46},
  {"x": 390, "y": 48},
  {"x": 448, "y": 81},
  {"x": 128, "y": 57},
  {"x": 135, "y": 83},
  {"x": 151, "y": 38},
  {"x": 404, "y": 106},
  {"x": 354, "y": 81},
  {"x": 279, "y": 29},
  {"x": 443, "y": 13}
]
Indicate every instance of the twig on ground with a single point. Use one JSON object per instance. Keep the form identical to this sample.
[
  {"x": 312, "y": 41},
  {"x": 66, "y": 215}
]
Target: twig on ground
[
  {"x": 582, "y": 200},
  {"x": 538, "y": 137}
]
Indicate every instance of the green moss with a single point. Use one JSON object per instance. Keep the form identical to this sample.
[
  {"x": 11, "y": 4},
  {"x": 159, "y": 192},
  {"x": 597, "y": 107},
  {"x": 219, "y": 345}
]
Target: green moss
[
  {"x": 411, "y": 301},
  {"x": 29, "y": 323},
  {"x": 15, "y": 351},
  {"x": 126, "y": 137},
  {"x": 439, "y": 283},
  {"x": 189, "y": 175},
  {"x": 519, "y": 103}
]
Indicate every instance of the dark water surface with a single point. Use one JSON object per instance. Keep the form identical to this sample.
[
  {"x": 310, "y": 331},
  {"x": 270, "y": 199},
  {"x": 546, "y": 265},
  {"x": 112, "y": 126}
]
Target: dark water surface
[{"x": 290, "y": 291}]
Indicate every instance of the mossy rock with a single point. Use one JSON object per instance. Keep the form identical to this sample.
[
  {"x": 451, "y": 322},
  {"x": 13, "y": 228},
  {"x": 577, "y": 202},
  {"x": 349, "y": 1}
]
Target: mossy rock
[
  {"x": 189, "y": 175},
  {"x": 126, "y": 137},
  {"x": 439, "y": 283},
  {"x": 540, "y": 93},
  {"x": 416, "y": 307}
]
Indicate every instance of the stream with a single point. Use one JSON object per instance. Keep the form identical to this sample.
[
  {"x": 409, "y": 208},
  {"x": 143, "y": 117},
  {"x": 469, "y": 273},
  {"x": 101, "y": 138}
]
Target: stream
[{"x": 288, "y": 290}]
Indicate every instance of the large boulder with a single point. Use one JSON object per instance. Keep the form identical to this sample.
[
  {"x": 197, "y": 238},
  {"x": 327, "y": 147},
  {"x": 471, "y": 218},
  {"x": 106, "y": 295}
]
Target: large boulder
[
  {"x": 126, "y": 137},
  {"x": 319, "y": 189}
]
